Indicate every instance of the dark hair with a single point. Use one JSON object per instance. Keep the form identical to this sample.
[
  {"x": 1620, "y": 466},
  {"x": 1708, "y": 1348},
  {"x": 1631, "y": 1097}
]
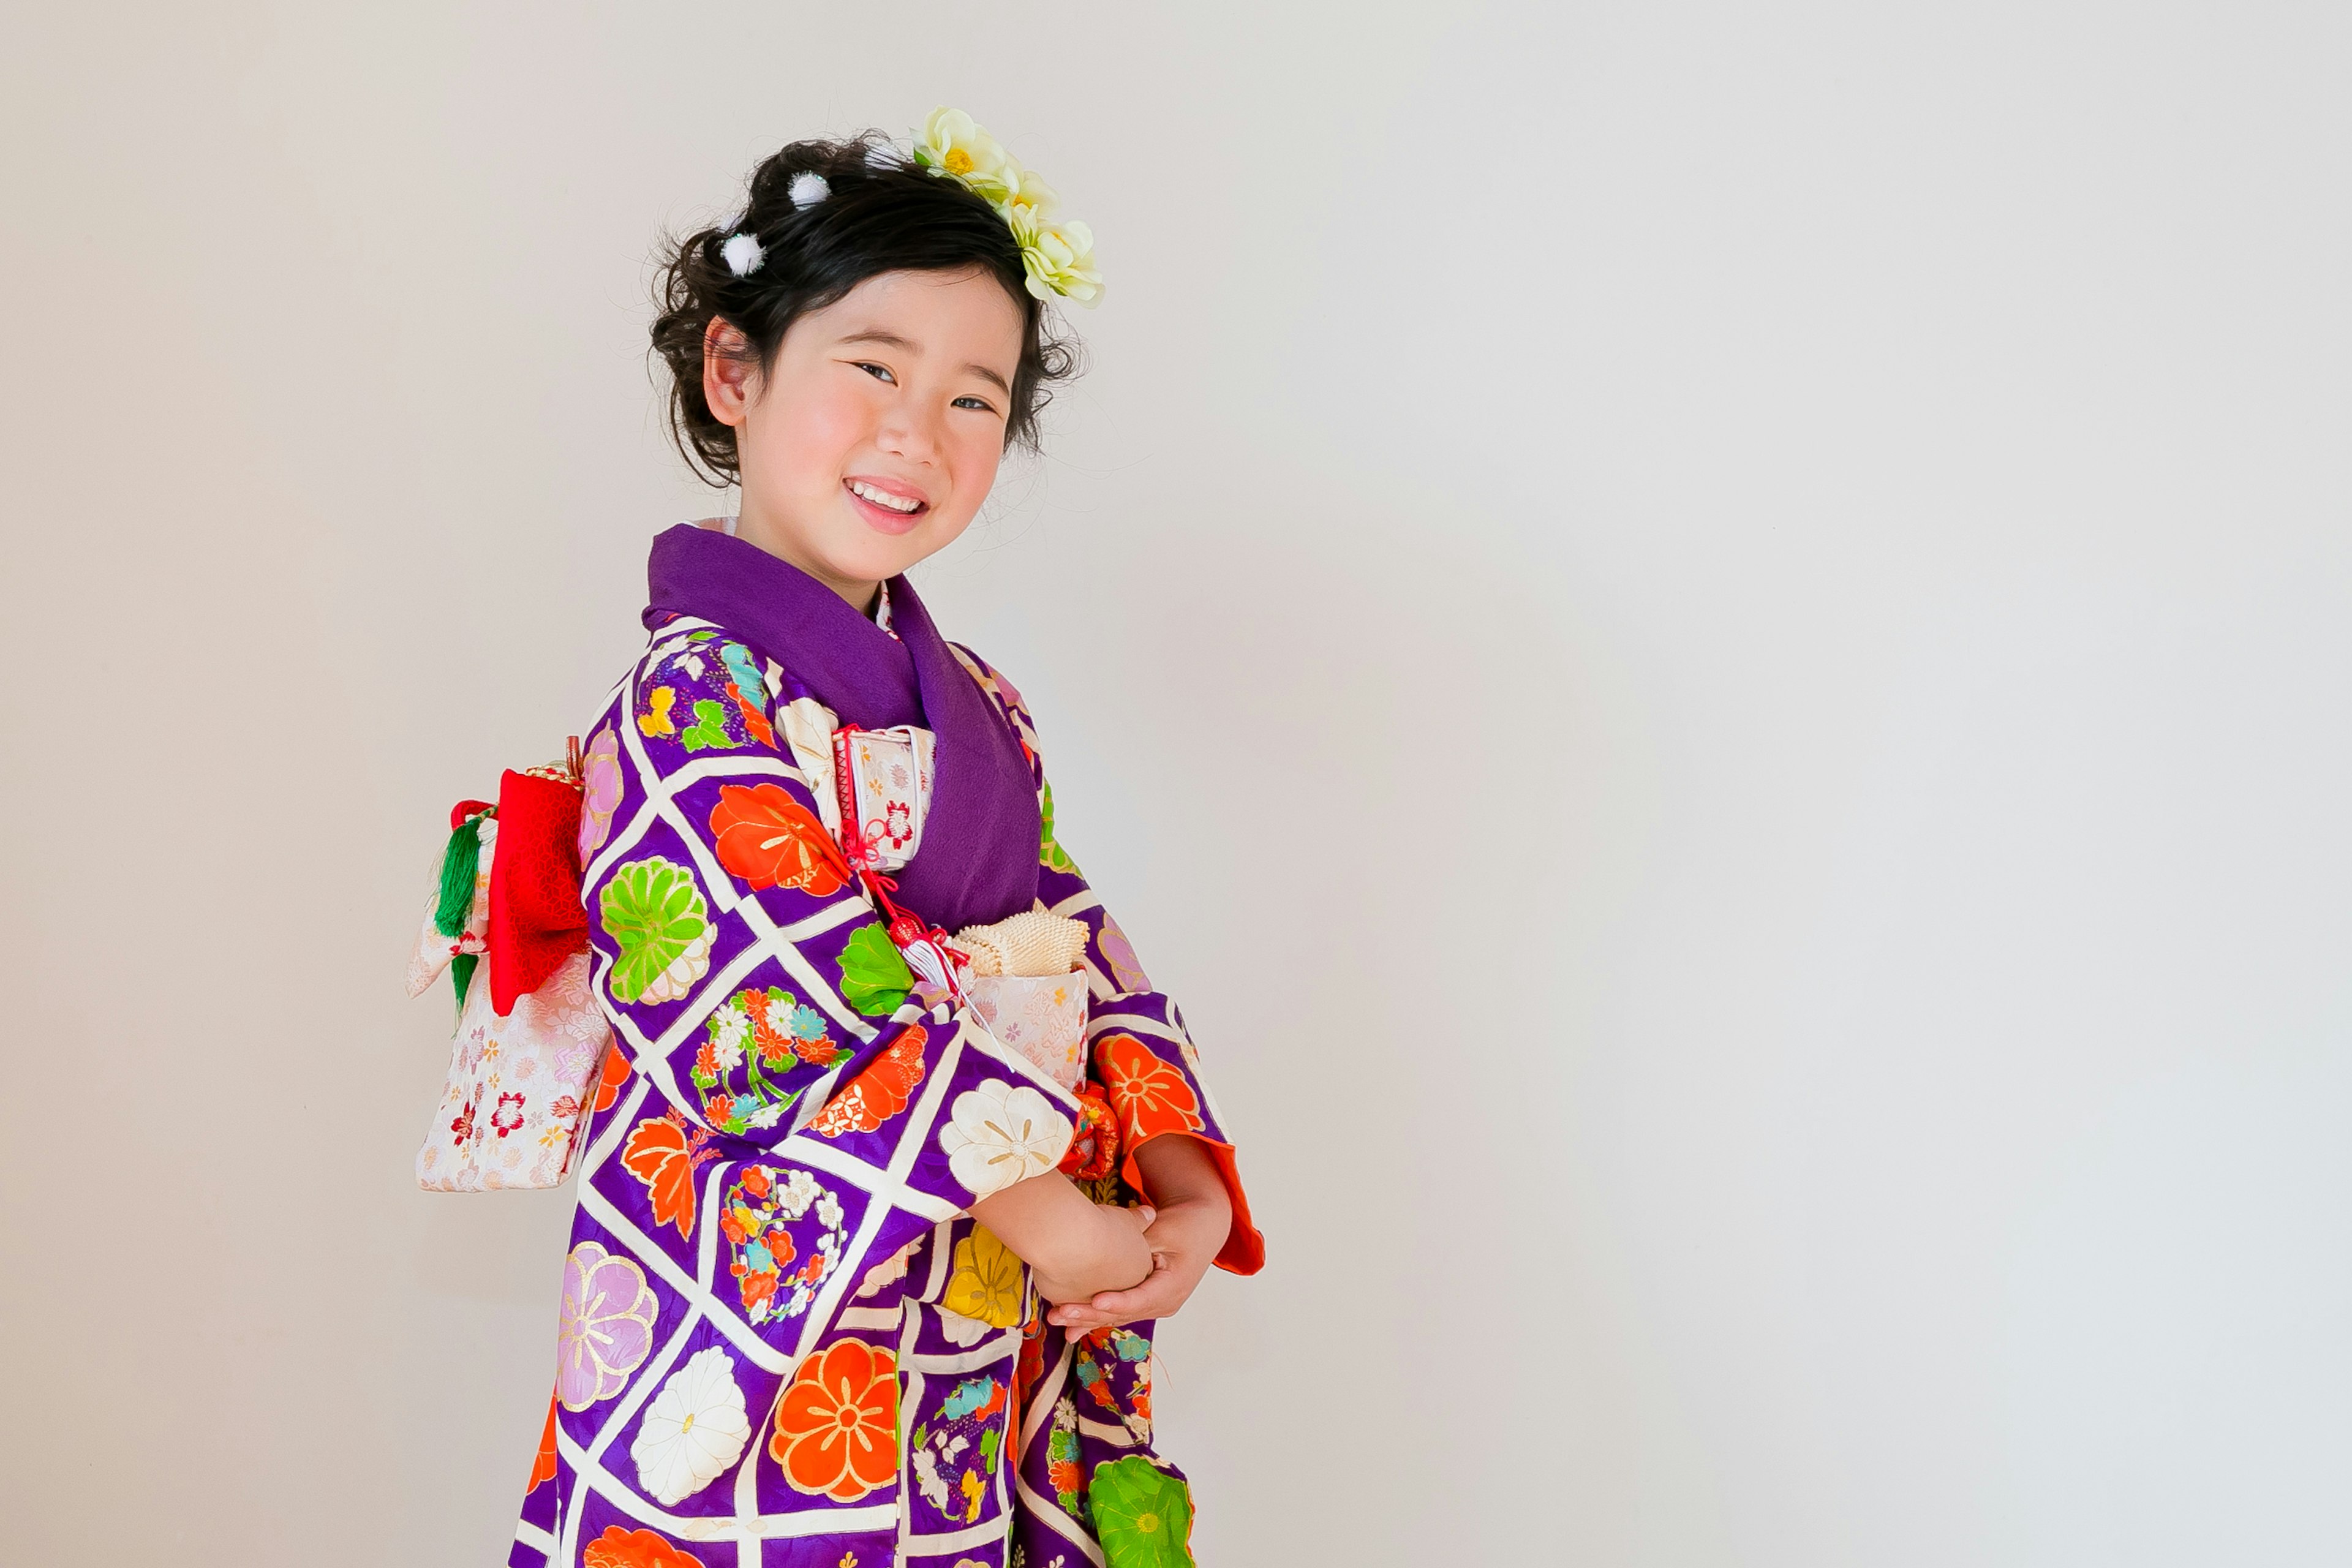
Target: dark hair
[{"x": 883, "y": 214}]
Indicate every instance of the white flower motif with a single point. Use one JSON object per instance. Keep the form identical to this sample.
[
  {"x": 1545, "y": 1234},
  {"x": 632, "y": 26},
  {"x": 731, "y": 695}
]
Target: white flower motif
[
  {"x": 889, "y": 1270},
  {"x": 680, "y": 656},
  {"x": 799, "y": 1189},
  {"x": 999, "y": 1134},
  {"x": 927, "y": 1476},
  {"x": 731, "y": 1029},
  {"x": 807, "y": 726},
  {"x": 767, "y": 1115},
  {"x": 695, "y": 1428},
  {"x": 961, "y": 1331}
]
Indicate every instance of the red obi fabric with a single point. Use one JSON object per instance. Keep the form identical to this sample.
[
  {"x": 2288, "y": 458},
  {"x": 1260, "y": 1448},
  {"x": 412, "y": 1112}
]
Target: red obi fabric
[{"x": 536, "y": 918}]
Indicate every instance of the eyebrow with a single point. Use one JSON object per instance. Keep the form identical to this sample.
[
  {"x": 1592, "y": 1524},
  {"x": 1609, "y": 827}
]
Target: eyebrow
[{"x": 893, "y": 341}]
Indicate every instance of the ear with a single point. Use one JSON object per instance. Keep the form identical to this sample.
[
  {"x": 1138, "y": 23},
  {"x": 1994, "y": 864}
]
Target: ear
[{"x": 727, "y": 371}]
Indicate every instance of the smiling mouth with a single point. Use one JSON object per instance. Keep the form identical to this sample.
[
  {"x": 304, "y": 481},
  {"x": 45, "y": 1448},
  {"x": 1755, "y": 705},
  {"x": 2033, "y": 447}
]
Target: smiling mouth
[{"x": 901, "y": 506}]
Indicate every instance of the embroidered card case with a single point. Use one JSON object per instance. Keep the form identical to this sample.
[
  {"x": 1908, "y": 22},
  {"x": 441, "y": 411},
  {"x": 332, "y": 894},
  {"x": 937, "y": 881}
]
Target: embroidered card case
[
  {"x": 891, "y": 780},
  {"x": 1025, "y": 991}
]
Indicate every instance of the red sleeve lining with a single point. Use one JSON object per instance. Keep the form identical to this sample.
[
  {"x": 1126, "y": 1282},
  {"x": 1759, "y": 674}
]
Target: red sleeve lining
[{"x": 1244, "y": 1248}]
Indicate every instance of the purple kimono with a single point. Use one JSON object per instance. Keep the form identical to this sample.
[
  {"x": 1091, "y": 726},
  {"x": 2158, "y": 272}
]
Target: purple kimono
[{"x": 784, "y": 1338}]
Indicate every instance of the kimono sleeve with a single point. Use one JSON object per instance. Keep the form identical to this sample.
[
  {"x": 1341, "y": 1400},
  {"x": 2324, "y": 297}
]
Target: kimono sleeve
[
  {"x": 1141, "y": 1050},
  {"x": 751, "y": 984}
]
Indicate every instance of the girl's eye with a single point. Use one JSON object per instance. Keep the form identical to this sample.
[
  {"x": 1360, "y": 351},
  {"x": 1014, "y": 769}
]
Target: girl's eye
[
  {"x": 879, "y": 373},
  {"x": 979, "y": 403}
]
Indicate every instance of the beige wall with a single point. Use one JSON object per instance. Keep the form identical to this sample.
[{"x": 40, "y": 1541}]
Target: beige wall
[{"x": 1709, "y": 643}]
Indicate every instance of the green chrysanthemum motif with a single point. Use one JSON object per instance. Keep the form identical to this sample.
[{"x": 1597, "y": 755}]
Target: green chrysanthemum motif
[
  {"x": 874, "y": 978},
  {"x": 1142, "y": 1515},
  {"x": 656, "y": 916},
  {"x": 1049, "y": 852}
]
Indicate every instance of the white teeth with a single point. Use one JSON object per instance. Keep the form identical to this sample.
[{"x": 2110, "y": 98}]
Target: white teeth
[{"x": 882, "y": 498}]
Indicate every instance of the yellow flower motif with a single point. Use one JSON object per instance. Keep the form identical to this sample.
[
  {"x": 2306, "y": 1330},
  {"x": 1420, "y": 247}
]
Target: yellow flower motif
[
  {"x": 951, "y": 143},
  {"x": 657, "y": 722},
  {"x": 1058, "y": 256},
  {"x": 1032, "y": 194},
  {"x": 986, "y": 1283}
]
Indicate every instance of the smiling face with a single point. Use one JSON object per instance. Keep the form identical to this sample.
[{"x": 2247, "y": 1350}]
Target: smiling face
[{"x": 874, "y": 436}]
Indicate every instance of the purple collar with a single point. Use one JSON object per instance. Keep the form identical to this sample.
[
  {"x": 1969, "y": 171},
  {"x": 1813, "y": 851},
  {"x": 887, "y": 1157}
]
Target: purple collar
[{"x": 979, "y": 859}]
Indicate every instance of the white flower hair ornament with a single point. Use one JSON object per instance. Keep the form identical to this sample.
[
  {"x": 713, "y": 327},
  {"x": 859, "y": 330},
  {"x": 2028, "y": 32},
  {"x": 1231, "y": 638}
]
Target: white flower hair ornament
[
  {"x": 742, "y": 252},
  {"x": 1057, "y": 253},
  {"x": 742, "y": 255}
]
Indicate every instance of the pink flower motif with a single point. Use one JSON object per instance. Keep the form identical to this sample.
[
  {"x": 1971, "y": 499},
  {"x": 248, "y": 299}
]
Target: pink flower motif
[
  {"x": 1126, "y": 969},
  {"x": 607, "y": 1328},
  {"x": 600, "y": 778}
]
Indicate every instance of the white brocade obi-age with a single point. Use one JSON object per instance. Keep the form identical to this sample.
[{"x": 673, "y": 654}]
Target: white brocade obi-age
[{"x": 783, "y": 1338}]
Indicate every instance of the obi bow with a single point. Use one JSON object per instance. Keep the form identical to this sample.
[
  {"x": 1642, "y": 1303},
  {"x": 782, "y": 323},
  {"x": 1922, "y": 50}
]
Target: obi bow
[{"x": 537, "y": 919}]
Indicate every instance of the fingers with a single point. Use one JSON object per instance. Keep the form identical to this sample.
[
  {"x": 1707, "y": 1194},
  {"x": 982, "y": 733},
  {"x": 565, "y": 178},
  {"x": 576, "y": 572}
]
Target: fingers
[
  {"x": 1145, "y": 1301},
  {"x": 1141, "y": 1301},
  {"x": 1077, "y": 1319}
]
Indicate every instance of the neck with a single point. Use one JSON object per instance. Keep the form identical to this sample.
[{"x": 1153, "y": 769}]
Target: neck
[{"x": 754, "y": 527}]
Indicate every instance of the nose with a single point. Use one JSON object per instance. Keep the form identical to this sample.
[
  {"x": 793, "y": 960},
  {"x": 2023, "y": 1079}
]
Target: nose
[{"x": 909, "y": 431}]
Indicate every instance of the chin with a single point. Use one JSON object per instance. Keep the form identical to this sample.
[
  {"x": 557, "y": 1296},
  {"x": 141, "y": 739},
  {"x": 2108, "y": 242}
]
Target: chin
[{"x": 861, "y": 560}]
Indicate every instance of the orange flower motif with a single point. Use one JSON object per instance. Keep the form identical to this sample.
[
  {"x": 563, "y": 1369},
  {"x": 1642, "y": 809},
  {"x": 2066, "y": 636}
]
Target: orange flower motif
[
  {"x": 1150, "y": 1095},
  {"x": 877, "y": 1093},
  {"x": 837, "y": 1424},
  {"x": 616, "y": 1073},
  {"x": 543, "y": 1469},
  {"x": 619, "y": 1548},
  {"x": 770, "y": 840}
]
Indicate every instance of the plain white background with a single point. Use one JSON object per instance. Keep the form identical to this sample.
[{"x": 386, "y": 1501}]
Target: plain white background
[{"x": 1708, "y": 641}]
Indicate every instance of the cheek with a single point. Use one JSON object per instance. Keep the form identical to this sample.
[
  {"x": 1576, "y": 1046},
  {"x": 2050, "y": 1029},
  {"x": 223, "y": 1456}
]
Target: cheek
[
  {"x": 809, "y": 434},
  {"x": 976, "y": 455}
]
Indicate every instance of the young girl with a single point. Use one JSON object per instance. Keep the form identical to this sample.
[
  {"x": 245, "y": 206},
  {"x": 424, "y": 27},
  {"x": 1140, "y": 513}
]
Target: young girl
[{"x": 854, "y": 1281}]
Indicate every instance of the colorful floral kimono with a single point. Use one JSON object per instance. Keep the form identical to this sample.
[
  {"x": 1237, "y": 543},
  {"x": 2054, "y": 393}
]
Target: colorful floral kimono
[{"x": 783, "y": 1338}]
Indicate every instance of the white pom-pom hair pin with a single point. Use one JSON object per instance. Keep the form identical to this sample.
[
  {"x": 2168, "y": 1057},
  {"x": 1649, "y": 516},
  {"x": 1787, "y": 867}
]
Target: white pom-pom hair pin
[
  {"x": 742, "y": 255},
  {"x": 807, "y": 189}
]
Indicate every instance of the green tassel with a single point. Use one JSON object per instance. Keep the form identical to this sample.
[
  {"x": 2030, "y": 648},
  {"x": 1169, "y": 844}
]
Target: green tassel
[
  {"x": 460, "y": 864},
  {"x": 461, "y": 974}
]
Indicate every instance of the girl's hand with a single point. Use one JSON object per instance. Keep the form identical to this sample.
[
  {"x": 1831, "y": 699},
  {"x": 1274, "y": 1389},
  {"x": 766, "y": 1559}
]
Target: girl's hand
[
  {"x": 1185, "y": 1238},
  {"x": 1121, "y": 1228},
  {"x": 1193, "y": 1219}
]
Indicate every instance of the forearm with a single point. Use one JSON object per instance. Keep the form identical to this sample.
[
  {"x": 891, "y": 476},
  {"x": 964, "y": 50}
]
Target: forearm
[
  {"x": 1179, "y": 1173},
  {"x": 1077, "y": 1248}
]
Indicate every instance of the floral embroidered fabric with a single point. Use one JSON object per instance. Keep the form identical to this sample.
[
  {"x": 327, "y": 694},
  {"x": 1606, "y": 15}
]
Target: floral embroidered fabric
[{"x": 783, "y": 1338}]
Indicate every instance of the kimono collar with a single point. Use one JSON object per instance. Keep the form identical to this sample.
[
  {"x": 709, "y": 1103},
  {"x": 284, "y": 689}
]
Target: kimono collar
[{"x": 978, "y": 863}]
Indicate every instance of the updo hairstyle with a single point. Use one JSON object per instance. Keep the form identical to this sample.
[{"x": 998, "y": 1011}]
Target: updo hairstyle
[{"x": 884, "y": 214}]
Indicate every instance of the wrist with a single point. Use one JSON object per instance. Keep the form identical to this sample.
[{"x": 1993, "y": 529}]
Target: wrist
[{"x": 1177, "y": 1169}]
